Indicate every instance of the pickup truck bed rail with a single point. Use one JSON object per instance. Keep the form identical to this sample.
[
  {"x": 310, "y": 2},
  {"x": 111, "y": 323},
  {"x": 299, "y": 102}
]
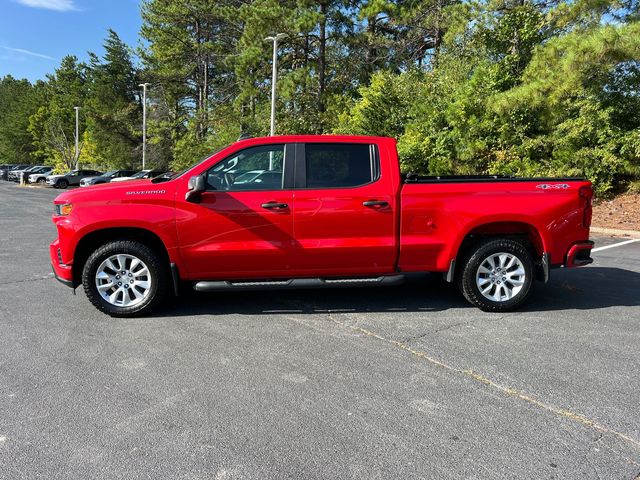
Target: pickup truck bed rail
[{"x": 414, "y": 178}]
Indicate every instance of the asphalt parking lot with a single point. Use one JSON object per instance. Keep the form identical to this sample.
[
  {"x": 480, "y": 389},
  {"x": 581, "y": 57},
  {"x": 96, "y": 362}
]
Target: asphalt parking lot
[{"x": 401, "y": 382}]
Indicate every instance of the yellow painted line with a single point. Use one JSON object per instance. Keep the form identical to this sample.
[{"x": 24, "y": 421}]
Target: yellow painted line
[{"x": 478, "y": 377}]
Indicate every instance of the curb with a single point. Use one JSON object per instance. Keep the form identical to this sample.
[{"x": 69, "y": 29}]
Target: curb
[{"x": 613, "y": 231}]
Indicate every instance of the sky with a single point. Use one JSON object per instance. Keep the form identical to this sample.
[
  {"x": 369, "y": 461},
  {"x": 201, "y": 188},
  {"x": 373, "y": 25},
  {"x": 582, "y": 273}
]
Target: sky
[{"x": 36, "y": 34}]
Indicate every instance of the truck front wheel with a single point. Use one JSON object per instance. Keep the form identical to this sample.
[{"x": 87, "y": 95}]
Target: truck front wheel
[
  {"x": 497, "y": 275},
  {"x": 125, "y": 278}
]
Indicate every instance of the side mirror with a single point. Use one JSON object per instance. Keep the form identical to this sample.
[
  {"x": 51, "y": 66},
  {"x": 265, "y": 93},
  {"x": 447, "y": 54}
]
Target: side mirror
[{"x": 197, "y": 185}]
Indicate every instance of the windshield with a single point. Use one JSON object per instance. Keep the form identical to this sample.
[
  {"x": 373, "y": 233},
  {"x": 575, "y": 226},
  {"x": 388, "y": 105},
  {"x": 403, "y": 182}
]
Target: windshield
[
  {"x": 110, "y": 174},
  {"x": 140, "y": 174},
  {"x": 185, "y": 170}
]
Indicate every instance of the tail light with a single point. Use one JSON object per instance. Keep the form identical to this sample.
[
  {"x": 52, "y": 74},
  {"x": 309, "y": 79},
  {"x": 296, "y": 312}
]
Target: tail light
[{"x": 586, "y": 194}]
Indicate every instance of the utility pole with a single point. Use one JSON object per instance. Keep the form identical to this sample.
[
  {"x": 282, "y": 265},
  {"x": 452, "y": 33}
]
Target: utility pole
[
  {"x": 274, "y": 78},
  {"x": 77, "y": 153},
  {"x": 144, "y": 123}
]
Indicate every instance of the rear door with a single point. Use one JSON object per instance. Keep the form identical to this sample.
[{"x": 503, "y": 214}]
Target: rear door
[
  {"x": 241, "y": 229},
  {"x": 344, "y": 211}
]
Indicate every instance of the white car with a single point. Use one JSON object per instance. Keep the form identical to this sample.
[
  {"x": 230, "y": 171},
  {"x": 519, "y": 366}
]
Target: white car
[{"x": 40, "y": 176}]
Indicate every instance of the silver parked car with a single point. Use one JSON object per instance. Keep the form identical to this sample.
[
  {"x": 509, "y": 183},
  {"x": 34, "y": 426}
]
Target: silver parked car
[
  {"x": 106, "y": 178},
  {"x": 71, "y": 178}
]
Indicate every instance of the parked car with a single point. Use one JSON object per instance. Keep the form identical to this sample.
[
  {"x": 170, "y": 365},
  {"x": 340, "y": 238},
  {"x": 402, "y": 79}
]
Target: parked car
[
  {"x": 142, "y": 174},
  {"x": 341, "y": 215},
  {"x": 106, "y": 177},
  {"x": 40, "y": 177},
  {"x": 4, "y": 168},
  {"x": 71, "y": 178},
  {"x": 4, "y": 174},
  {"x": 16, "y": 175}
]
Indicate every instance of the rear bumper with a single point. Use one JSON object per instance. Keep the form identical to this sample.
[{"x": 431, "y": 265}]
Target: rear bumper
[
  {"x": 62, "y": 271},
  {"x": 579, "y": 254}
]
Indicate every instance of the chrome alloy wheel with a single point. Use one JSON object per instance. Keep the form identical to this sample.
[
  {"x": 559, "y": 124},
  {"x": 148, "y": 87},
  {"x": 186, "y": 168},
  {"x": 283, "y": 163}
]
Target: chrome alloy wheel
[
  {"x": 500, "y": 277},
  {"x": 123, "y": 280}
]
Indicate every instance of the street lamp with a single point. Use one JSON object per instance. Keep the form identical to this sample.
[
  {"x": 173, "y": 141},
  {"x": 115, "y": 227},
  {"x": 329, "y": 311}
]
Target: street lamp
[
  {"x": 144, "y": 123},
  {"x": 77, "y": 154},
  {"x": 274, "y": 77}
]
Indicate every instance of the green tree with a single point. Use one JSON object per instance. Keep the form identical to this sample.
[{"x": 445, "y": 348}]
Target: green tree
[
  {"x": 114, "y": 110},
  {"x": 53, "y": 125},
  {"x": 19, "y": 99}
]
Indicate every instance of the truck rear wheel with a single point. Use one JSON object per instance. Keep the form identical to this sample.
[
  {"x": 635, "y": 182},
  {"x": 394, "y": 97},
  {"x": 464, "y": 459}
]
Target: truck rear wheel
[
  {"x": 125, "y": 278},
  {"x": 497, "y": 275}
]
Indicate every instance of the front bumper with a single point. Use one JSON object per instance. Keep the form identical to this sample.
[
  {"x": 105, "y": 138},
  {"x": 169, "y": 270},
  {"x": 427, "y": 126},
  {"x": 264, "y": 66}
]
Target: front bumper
[
  {"x": 62, "y": 271},
  {"x": 579, "y": 254}
]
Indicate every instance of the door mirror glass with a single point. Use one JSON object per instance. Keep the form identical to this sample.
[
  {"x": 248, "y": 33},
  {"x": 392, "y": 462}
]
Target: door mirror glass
[{"x": 196, "y": 187}]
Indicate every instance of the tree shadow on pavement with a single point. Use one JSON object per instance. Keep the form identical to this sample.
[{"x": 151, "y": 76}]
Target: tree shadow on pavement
[{"x": 575, "y": 289}]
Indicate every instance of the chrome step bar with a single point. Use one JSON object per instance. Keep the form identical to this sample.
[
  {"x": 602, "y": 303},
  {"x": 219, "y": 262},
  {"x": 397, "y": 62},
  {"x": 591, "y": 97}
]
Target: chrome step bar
[{"x": 221, "y": 285}]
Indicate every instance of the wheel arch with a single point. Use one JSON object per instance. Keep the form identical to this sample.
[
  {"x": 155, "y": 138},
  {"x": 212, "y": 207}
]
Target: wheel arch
[
  {"x": 521, "y": 230},
  {"x": 96, "y": 238}
]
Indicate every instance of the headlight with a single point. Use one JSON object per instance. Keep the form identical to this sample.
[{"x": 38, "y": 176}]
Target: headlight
[{"x": 62, "y": 209}]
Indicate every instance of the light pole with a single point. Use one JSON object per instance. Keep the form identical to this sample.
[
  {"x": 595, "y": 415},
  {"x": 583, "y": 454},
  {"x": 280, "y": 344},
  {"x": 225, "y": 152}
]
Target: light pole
[
  {"x": 274, "y": 78},
  {"x": 77, "y": 154},
  {"x": 144, "y": 123}
]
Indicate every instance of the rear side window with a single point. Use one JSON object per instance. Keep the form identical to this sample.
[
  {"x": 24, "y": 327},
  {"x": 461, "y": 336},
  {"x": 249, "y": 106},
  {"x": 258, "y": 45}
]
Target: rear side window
[{"x": 334, "y": 165}]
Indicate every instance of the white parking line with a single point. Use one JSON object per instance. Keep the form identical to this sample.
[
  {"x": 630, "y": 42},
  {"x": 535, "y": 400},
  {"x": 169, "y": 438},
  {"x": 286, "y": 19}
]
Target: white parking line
[{"x": 619, "y": 244}]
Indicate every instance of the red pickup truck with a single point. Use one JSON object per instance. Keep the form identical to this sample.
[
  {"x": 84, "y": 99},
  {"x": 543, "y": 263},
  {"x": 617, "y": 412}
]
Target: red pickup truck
[{"x": 315, "y": 211}]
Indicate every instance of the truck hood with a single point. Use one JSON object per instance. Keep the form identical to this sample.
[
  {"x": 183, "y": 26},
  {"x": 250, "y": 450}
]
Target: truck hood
[{"x": 106, "y": 192}]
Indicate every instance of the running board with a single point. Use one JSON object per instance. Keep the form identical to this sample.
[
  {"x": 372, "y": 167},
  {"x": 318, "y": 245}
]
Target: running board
[{"x": 216, "y": 286}]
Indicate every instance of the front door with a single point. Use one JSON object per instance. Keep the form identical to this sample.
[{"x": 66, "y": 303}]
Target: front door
[
  {"x": 243, "y": 227},
  {"x": 344, "y": 213}
]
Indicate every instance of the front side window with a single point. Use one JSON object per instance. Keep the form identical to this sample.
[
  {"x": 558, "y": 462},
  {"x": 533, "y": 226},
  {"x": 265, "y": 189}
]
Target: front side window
[
  {"x": 255, "y": 168},
  {"x": 334, "y": 165}
]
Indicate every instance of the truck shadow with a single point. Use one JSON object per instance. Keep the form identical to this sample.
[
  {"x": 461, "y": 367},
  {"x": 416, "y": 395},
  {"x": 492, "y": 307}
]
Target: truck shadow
[{"x": 577, "y": 289}]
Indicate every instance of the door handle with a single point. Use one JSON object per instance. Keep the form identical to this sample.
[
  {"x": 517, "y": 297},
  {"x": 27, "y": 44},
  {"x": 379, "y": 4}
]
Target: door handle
[
  {"x": 275, "y": 205},
  {"x": 375, "y": 203}
]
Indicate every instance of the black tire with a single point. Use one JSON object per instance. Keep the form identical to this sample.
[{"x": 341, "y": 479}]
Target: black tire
[
  {"x": 42, "y": 181},
  {"x": 62, "y": 184},
  {"x": 476, "y": 256},
  {"x": 158, "y": 270}
]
